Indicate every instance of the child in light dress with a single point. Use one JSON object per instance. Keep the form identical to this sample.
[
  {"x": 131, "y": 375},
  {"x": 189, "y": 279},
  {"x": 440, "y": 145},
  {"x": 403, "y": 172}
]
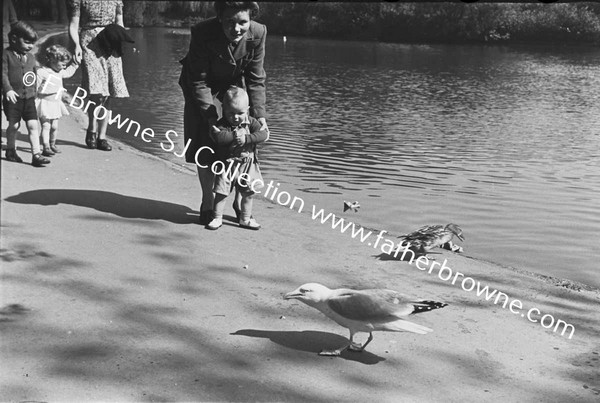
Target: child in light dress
[
  {"x": 236, "y": 137},
  {"x": 49, "y": 103}
]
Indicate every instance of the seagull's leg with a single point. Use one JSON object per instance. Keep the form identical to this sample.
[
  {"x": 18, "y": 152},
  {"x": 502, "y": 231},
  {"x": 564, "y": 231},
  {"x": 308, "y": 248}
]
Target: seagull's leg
[
  {"x": 368, "y": 341},
  {"x": 357, "y": 347}
]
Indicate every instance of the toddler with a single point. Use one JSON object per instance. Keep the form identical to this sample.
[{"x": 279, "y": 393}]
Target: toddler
[
  {"x": 236, "y": 137},
  {"x": 18, "y": 90},
  {"x": 49, "y": 94}
]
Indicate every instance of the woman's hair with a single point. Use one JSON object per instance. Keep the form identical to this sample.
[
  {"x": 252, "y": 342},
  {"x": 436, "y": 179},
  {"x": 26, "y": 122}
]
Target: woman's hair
[
  {"x": 251, "y": 6},
  {"x": 57, "y": 53},
  {"x": 21, "y": 29}
]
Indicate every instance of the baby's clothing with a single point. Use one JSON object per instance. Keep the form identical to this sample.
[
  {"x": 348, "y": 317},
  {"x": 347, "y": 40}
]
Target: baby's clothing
[
  {"x": 239, "y": 159},
  {"x": 49, "y": 95}
]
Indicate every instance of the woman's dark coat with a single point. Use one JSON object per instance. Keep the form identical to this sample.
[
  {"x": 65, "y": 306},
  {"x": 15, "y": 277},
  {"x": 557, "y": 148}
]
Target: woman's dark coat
[{"x": 209, "y": 69}]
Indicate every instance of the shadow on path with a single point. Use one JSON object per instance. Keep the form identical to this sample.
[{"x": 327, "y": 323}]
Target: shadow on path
[
  {"x": 312, "y": 342},
  {"x": 109, "y": 202}
]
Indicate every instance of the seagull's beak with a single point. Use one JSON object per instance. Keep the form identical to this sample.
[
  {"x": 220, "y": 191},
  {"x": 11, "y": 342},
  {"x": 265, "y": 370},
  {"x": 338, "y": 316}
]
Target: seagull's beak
[
  {"x": 292, "y": 295},
  {"x": 462, "y": 238}
]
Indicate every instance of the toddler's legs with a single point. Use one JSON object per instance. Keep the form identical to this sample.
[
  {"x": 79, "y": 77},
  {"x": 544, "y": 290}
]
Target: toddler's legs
[
  {"x": 246, "y": 207},
  {"x": 237, "y": 203},
  {"x": 53, "y": 131},
  {"x": 37, "y": 159},
  {"x": 34, "y": 136},
  {"x": 219, "y": 208},
  {"x": 46, "y": 125},
  {"x": 246, "y": 220},
  {"x": 11, "y": 134},
  {"x": 11, "y": 141}
]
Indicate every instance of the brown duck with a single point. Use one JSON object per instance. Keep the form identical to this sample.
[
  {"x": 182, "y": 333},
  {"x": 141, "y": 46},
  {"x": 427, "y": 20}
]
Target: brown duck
[{"x": 428, "y": 237}]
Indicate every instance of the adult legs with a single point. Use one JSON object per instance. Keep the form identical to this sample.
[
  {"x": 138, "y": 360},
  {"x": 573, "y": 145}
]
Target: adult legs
[
  {"x": 207, "y": 181},
  {"x": 217, "y": 220},
  {"x": 96, "y": 132}
]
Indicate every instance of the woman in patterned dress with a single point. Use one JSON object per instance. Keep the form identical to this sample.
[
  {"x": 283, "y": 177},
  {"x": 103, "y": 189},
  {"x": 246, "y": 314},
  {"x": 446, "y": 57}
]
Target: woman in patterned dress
[{"x": 102, "y": 75}]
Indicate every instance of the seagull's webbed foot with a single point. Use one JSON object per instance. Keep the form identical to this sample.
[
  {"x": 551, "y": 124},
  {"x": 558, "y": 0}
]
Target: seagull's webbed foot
[
  {"x": 332, "y": 353},
  {"x": 355, "y": 347},
  {"x": 352, "y": 346},
  {"x": 336, "y": 353}
]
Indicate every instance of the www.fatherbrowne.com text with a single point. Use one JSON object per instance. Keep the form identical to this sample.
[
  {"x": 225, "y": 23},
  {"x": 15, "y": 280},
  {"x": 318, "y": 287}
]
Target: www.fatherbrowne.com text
[{"x": 272, "y": 192}]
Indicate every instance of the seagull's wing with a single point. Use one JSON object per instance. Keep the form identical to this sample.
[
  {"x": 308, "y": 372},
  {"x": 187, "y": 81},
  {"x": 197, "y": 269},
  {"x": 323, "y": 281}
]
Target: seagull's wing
[{"x": 370, "y": 305}]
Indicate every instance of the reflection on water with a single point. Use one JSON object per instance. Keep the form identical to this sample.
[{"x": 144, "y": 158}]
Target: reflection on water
[{"x": 503, "y": 141}]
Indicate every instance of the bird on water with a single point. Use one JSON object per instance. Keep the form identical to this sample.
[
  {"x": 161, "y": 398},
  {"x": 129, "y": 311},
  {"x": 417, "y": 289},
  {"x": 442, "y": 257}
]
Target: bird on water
[{"x": 364, "y": 311}]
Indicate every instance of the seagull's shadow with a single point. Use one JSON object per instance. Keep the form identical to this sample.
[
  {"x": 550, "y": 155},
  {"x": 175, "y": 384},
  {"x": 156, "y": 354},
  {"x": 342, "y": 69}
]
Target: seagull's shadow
[{"x": 312, "y": 342}]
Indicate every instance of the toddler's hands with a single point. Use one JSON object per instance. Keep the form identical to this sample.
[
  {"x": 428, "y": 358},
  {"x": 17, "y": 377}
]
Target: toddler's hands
[
  {"x": 12, "y": 96},
  {"x": 240, "y": 139}
]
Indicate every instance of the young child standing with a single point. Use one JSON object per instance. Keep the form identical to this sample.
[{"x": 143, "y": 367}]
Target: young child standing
[
  {"x": 237, "y": 135},
  {"x": 49, "y": 94},
  {"x": 18, "y": 90}
]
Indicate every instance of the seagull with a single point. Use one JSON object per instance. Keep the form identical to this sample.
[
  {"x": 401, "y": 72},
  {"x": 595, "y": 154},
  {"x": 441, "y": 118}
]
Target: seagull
[
  {"x": 351, "y": 206},
  {"x": 431, "y": 236},
  {"x": 364, "y": 311}
]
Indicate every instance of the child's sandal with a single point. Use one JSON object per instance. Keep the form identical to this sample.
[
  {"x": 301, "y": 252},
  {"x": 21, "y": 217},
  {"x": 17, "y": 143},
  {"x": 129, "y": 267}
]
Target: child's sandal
[
  {"x": 54, "y": 149},
  {"x": 38, "y": 160},
  {"x": 47, "y": 152}
]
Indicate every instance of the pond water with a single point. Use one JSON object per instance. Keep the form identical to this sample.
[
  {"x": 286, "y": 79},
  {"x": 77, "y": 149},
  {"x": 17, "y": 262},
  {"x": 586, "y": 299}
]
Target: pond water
[{"x": 503, "y": 141}]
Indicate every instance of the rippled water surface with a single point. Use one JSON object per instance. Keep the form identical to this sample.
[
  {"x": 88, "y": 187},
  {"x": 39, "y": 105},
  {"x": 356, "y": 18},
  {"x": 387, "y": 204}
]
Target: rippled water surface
[{"x": 503, "y": 141}]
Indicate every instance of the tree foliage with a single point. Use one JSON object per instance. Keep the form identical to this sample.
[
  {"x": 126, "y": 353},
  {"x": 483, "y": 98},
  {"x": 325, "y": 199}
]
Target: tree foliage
[{"x": 422, "y": 22}]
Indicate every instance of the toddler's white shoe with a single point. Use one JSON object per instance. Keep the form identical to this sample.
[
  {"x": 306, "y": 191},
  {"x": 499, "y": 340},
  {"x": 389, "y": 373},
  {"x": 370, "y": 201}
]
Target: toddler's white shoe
[
  {"x": 215, "y": 224},
  {"x": 250, "y": 224}
]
